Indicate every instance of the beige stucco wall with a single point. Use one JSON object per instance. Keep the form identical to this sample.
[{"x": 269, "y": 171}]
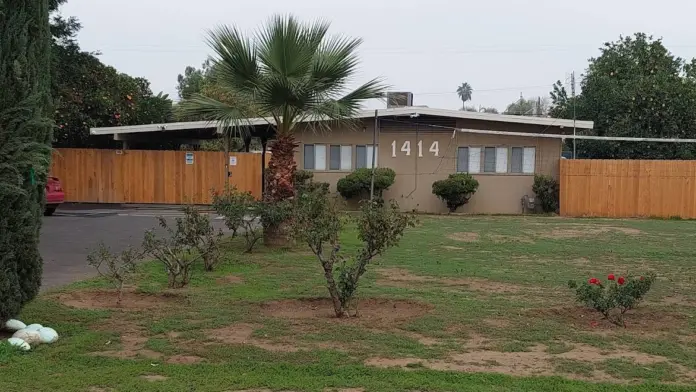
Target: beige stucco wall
[{"x": 497, "y": 193}]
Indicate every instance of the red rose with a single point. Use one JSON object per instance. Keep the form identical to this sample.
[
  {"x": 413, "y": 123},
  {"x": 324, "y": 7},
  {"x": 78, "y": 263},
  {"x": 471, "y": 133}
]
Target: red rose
[
  {"x": 593, "y": 281},
  {"x": 621, "y": 280},
  {"x": 611, "y": 277}
]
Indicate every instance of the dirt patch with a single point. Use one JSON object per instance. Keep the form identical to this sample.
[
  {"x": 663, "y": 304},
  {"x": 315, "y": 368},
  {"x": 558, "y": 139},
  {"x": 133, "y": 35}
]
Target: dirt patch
[
  {"x": 583, "y": 352},
  {"x": 229, "y": 279},
  {"x": 536, "y": 361},
  {"x": 422, "y": 339},
  {"x": 585, "y": 230},
  {"x": 403, "y": 278},
  {"x": 154, "y": 377},
  {"x": 241, "y": 334},
  {"x": 99, "y": 389},
  {"x": 184, "y": 359},
  {"x": 464, "y": 237},
  {"x": 132, "y": 341},
  {"x": 643, "y": 319},
  {"x": 452, "y": 247},
  {"x": 106, "y": 299},
  {"x": 497, "y": 322},
  {"x": 503, "y": 239},
  {"x": 370, "y": 310}
]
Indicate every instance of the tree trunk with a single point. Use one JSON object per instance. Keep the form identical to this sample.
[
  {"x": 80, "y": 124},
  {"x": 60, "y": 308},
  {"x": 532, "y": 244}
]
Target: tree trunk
[
  {"x": 277, "y": 236},
  {"x": 120, "y": 293},
  {"x": 280, "y": 186},
  {"x": 333, "y": 290},
  {"x": 281, "y": 169}
]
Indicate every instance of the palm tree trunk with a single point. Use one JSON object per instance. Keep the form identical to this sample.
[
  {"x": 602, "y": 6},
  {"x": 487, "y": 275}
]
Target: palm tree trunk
[
  {"x": 280, "y": 186},
  {"x": 281, "y": 169}
]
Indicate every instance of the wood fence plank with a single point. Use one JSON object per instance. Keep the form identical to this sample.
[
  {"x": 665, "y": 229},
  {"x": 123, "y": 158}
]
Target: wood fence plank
[
  {"x": 628, "y": 188},
  {"x": 160, "y": 177}
]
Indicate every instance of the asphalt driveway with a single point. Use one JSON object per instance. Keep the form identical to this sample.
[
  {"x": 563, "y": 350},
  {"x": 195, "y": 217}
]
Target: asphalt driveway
[{"x": 69, "y": 235}]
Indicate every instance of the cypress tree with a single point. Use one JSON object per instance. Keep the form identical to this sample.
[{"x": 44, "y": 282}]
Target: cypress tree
[{"x": 25, "y": 146}]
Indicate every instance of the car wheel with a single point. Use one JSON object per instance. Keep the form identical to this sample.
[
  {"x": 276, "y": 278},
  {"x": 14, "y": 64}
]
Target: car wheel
[{"x": 50, "y": 210}]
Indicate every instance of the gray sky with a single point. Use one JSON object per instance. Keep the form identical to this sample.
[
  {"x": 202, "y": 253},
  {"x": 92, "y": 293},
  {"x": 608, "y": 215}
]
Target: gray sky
[{"x": 501, "y": 47}]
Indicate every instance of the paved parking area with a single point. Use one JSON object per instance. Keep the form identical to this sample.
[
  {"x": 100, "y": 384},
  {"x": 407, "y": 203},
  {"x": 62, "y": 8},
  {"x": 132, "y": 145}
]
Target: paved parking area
[{"x": 69, "y": 235}]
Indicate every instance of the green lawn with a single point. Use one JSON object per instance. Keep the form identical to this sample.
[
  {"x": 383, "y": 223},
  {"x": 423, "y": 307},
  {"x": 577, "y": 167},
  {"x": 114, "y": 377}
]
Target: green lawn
[{"x": 464, "y": 304}]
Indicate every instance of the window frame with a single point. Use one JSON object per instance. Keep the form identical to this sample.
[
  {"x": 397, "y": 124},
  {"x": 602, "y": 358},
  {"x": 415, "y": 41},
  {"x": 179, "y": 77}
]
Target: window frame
[
  {"x": 495, "y": 160},
  {"x": 375, "y": 151},
  {"x": 341, "y": 148},
  {"x": 314, "y": 156},
  {"x": 521, "y": 160},
  {"x": 482, "y": 160},
  {"x": 468, "y": 155}
]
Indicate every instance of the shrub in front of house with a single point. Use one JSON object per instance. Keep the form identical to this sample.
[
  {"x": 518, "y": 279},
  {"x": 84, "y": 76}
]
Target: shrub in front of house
[
  {"x": 357, "y": 183},
  {"x": 615, "y": 297},
  {"x": 304, "y": 182},
  {"x": 547, "y": 191},
  {"x": 456, "y": 190}
]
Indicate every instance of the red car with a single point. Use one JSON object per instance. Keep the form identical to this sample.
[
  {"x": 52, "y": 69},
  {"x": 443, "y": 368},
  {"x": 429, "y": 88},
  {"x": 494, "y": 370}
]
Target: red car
[{"x": 54, "y": 195}]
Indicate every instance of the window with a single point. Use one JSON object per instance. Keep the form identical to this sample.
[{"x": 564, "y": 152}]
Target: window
[
  {"x": 363, "y": 156},
  {"x": 501, "y": 160},
  {"x": 463, "y": 159},
  {"x": 498, "y": 160},
  {"x": 314, "y": 157},
  {"x": 529, "y": 160},
  {"x": 489, "y": 155},
  {"x": 335, "y": 158},
  {"x": 340, "y": 158},
  {"x": 474, "y": 159},
  {"x": 516, "y": 160}
]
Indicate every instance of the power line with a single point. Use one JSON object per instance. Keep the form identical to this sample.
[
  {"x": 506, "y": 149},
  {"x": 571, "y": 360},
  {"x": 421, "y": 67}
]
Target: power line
[{"x": 155, "y": 48}]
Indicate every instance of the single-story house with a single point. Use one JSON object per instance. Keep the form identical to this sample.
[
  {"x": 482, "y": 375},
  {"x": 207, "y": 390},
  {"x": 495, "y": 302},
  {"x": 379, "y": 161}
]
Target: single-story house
[{"x": 422, "y": 145}]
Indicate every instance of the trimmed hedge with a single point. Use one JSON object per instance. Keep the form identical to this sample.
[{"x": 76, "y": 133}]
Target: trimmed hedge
[
  {"x": 456, "y": 190},
  {"x": 357, "y": 183}
]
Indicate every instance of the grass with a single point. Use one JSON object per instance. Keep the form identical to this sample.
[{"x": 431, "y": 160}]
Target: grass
[{"x": 493, "y": 314}]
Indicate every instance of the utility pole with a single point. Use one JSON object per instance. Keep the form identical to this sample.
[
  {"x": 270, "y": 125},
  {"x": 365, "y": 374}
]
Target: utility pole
[
  {"x": 572, "y": 92},
  {"x": 374, "y": 153}
]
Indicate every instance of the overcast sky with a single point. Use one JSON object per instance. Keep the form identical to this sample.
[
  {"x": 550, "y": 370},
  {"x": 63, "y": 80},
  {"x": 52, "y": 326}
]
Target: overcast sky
[{"x": 429, "y": 47}]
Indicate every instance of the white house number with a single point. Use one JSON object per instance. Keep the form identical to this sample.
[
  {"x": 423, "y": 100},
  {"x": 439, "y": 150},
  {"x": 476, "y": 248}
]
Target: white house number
[{"x": 406, "y": 148}]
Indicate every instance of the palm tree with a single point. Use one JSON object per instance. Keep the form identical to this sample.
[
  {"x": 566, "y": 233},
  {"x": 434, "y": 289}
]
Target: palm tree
[
  {"x": 289, "y": 72},
  {"x": 465, "y": 91}
]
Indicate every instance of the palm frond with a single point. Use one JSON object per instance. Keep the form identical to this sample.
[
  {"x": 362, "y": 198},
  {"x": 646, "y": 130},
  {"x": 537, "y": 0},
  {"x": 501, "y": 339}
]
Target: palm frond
[
  {"x": 334, "y": 63},
  {"x": 236, "y": 65},
  {"x": 222, "y": 113},
  {"x": 289, "y": 72},
  {"x": 341, "y": 112},
  {"x": 286, "y": 47}
]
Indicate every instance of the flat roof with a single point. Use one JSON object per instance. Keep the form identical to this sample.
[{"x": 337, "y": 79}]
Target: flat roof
[{"x": 391, "y": 112}]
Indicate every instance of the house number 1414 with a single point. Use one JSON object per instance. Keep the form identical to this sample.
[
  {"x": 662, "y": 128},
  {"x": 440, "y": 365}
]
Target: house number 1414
[{"x": 406, "y": 147}]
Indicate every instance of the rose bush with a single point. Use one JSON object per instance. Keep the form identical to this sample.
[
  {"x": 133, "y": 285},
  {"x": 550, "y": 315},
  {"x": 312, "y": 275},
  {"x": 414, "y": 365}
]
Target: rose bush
[{"x": 614, "y": 298}]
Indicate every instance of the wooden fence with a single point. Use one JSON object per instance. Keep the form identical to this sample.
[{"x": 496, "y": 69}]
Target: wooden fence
[
  {"x": 628, "y": 188},
  {"x": 160, "y": 177}
]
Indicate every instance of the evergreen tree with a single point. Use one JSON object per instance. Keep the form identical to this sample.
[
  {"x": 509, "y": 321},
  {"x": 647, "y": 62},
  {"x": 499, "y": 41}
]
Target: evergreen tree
[{"x": 25, "y": 136}]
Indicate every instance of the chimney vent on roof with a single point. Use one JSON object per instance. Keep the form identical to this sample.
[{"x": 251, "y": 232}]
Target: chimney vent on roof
[{"x": 399, "y": 99}]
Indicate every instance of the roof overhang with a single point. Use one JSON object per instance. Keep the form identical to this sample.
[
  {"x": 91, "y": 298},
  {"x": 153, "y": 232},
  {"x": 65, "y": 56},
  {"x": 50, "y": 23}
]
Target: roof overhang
[{"x": 363, "y": 114}]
